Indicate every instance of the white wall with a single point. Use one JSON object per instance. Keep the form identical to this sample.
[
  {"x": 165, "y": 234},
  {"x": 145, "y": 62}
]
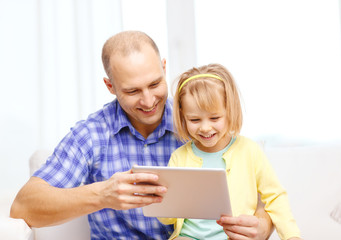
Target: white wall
[
  {"x": 286, "y": 59},
  {"x": 285, "y": 56}
]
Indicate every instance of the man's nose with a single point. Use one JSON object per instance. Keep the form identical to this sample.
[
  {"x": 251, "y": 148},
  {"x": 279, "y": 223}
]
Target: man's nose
[{"x": 147, "y": 99}]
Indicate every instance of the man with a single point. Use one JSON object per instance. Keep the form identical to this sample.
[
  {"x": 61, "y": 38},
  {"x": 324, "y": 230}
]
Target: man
[{"x": 136, "y": 128}]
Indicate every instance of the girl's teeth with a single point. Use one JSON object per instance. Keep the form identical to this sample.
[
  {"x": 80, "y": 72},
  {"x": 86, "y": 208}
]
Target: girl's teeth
[{"x": 148, "y": 110}]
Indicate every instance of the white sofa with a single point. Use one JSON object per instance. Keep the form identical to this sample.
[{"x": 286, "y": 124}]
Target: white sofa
[
  {"x": 309, "y": 172},
  {"x": 17, "y": 229},
  {"x": 312, "y": 176}
]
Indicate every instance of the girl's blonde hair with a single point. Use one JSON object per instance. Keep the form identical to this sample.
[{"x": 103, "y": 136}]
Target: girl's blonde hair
[{"x": 205, "y": 91}]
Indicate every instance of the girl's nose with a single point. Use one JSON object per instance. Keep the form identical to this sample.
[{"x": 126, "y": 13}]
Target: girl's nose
[{"x": 205, "y": 126}]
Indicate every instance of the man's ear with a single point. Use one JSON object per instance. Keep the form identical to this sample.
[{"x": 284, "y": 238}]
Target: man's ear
[
  {"x": 109, "y": 85},
  {"x": 163, "y": 62}
]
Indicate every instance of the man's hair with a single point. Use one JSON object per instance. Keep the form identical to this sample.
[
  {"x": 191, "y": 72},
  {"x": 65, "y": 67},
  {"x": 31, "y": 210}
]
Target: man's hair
[
  {"x": 206, "y": 92},
  {"x": 123, "y": 44}
]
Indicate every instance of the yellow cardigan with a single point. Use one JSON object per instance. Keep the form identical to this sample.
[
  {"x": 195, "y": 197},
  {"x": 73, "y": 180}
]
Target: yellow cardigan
[{"x": 248, "y": 172}]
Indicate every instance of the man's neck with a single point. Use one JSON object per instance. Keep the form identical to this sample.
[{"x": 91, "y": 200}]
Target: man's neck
[{"x": 146, "y": 130}]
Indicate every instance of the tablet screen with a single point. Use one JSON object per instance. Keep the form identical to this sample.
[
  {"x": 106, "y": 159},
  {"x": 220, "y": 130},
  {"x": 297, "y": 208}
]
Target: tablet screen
[{"x": 200, "y": 193}]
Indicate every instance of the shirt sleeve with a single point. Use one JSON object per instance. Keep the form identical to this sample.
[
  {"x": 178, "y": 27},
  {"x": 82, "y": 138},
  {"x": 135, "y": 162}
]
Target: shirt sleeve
[{"x": 68, "y": 165}]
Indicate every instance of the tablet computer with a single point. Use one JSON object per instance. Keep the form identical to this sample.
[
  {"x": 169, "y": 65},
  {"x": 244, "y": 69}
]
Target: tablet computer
[{"x": 200, "y": 193}]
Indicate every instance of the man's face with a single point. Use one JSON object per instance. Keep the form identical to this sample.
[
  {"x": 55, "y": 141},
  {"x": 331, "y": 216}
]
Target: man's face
[{"x": 139, "y": 83}]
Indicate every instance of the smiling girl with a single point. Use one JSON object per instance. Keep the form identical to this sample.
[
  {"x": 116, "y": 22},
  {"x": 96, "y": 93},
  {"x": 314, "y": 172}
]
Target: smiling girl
[{"x": 207, "y": 115}]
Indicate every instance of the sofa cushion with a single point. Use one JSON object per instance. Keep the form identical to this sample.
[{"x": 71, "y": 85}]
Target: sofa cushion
[
  {"x": 14, "y": 229},
  {"x": 311, "y": 175}
]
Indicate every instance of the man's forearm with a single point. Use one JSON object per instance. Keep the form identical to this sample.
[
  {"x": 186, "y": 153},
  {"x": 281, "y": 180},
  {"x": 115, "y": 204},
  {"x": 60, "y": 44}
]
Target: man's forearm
[
  {"x": 266, "y": 227},
  {"x": 40, "y": 204}
]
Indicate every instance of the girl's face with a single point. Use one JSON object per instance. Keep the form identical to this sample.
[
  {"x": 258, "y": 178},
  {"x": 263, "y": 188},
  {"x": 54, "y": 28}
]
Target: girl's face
[{"x": 208, "y": 130}]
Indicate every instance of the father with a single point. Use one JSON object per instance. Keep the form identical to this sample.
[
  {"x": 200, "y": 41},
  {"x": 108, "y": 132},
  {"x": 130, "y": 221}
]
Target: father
[{"x": 89, "y": 171}]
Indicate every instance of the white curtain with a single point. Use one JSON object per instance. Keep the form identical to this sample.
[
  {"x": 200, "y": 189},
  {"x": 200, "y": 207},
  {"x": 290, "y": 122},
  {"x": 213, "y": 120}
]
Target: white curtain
[
  {"x": 70, "y": 80},
  {"x": 51, "y": 73},
  {"x": 51, "y": 69}
]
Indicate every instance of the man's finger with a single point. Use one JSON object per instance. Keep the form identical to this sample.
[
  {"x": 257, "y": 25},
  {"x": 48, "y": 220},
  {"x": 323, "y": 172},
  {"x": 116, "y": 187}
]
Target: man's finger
[
  {"x": 240, "y": 232},
  {"x": 142, "y": 177},
  {"x": 136, "y": 201},
  {"x": 243, "y": 220},
  {"x": 149, "y": 189}
]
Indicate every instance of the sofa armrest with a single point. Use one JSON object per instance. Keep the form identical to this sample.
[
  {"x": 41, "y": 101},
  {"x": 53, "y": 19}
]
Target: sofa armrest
[{"x": 14, "y": 229}]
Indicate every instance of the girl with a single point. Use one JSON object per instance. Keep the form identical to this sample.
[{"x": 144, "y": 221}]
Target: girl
[{"x": 207, "y": 111}]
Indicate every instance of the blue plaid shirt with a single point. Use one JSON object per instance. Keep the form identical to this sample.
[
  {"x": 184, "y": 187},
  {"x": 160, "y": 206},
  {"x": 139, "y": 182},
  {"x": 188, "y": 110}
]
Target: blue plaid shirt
[{"x": 98, "y": 147}]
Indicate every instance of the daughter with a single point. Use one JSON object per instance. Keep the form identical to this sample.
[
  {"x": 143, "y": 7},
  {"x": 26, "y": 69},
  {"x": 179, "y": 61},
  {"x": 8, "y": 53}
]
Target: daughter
[{"x": 207, "y": 112}]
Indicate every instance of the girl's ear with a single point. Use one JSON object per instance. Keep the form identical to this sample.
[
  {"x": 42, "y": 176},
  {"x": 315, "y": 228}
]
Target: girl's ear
[{"x": 109, "y": 85}]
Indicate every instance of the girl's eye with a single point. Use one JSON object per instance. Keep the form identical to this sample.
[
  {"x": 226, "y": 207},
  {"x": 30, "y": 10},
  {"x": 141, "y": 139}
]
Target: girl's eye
[
  {"x": 194, "y": 120},
  {"x": 215, "y": 118}
]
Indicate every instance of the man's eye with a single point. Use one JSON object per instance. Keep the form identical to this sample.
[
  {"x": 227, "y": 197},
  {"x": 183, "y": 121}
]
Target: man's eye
[
  {"x": 132, "y": 92},
  {"x": 155, "y": 84}
]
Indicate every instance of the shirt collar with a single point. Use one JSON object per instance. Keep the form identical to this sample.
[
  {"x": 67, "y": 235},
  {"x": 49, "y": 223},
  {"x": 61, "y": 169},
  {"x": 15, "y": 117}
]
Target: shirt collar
[
  {"x": 167, "y": 119},
  {"x": 118, "y": 119}
]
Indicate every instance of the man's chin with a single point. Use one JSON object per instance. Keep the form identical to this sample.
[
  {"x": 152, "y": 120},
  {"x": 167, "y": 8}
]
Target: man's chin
[{"x": 151, "y": 120}]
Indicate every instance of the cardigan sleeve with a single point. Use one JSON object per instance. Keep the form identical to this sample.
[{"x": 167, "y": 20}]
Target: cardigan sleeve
[{"x": 275, "y": 198}]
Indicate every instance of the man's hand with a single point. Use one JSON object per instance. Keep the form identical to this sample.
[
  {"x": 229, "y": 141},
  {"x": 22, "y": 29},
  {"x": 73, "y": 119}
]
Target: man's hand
[
  {"x": 257, "y": 227},
  {"x": 244, "y": 227},
  {"x": 128, "y": 190},
  {"x": 57, "y": 205}
]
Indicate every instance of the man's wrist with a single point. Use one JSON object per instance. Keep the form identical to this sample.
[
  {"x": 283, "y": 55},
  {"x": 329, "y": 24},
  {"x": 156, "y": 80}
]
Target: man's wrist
[{"x": 265, "y": 228}]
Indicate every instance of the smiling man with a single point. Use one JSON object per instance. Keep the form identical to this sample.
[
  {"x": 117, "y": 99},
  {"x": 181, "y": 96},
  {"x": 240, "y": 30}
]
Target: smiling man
[
  {"x": 142, "y": 89},
  {"x": 89, "y": 171}
]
